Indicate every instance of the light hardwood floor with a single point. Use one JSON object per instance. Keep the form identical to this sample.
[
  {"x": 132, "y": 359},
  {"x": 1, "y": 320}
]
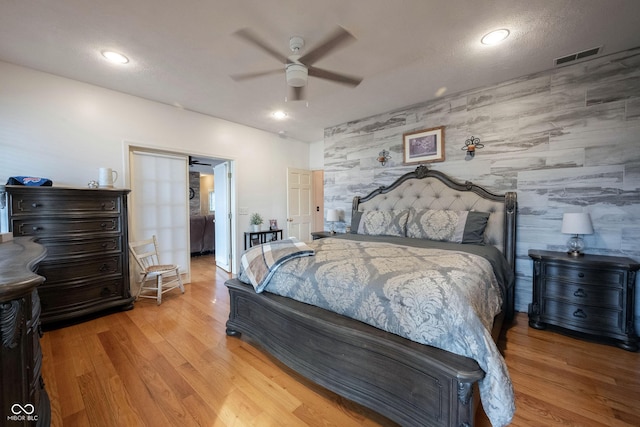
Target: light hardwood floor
[{"x": 173, "y": 365}]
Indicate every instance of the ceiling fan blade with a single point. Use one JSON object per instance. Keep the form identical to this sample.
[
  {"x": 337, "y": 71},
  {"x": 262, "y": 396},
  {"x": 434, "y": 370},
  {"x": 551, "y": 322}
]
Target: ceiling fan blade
[
  {"x": 338, "y": 38},
  {"x": 246, "y": 76},
  {"x": 248, "y": 36},
  {"x": 296, "y": 93},
  {"x": 335, "y": 77}
]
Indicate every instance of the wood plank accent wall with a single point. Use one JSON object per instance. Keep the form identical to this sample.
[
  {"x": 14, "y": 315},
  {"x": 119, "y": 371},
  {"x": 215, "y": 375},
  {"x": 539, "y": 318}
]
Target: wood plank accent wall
[{"x": 567, "y": 140}]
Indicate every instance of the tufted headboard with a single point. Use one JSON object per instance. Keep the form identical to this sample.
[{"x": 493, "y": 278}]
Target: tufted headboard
[{"x": 428, "y": 189}]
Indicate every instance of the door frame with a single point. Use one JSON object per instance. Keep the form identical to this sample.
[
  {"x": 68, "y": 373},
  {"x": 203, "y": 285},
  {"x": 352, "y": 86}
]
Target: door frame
[{"x": 129, "y": 146}]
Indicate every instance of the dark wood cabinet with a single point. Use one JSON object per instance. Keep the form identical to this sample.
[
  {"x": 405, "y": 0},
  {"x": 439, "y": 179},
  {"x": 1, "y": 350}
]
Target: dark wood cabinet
[
  {"x": 85, "y": 233},
  {"x": 23, "y": 398},
  {"x": 590, "y": 294}
]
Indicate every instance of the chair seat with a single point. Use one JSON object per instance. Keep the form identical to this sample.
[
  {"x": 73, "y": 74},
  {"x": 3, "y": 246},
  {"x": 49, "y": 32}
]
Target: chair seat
[{"x": 161, "y": 267}]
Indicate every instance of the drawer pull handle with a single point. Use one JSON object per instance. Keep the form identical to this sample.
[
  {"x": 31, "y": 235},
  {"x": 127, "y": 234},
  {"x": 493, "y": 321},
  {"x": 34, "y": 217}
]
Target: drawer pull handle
[
  {"x": 36, "y": 228},
  {"x": 579, "y": 313},
  {"x": 580, "y": 293},
  {"x": 34, "y": 205},
  {"x": 104, "y": 267},
  {"x": 581, "y": 274}
]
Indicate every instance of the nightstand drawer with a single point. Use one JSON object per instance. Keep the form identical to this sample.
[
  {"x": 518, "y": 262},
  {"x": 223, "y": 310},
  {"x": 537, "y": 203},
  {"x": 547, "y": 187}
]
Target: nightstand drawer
[
  {"x": 584, "y": 275},
  {"x": 582, "y": 317},
  {"x": 585, "y": 294}
]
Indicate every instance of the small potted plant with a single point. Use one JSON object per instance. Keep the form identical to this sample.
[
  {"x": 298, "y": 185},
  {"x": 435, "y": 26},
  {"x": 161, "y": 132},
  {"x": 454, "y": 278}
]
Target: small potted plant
[{"x": 256, "y": 221}]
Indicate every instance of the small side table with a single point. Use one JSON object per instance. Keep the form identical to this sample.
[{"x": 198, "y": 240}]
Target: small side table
[
  {"x": 590, "y": 294},
  {"x": 322, "y": 234},
  {"x": 252, "y": 238}
]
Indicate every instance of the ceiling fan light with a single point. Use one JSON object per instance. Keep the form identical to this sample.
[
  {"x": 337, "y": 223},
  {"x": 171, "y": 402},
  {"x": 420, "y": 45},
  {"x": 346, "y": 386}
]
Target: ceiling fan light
[
  {"x": 297, "y": 75},
  {"x": 495, "y": 37}
]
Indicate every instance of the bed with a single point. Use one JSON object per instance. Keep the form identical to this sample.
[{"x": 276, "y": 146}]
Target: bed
[{"x": 377, "y": 363}]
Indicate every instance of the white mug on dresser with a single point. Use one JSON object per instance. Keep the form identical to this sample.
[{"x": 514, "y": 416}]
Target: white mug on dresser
[{"x": 107, "y": 177}]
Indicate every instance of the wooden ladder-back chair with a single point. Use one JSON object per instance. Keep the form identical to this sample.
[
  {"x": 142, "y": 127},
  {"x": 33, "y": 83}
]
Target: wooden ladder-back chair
[{"x": 146, "y": 254}]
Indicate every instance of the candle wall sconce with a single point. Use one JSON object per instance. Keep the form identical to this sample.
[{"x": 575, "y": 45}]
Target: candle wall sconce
[
  {"x": 471, "y": 145},
  {"x": 383, "y": 157}
]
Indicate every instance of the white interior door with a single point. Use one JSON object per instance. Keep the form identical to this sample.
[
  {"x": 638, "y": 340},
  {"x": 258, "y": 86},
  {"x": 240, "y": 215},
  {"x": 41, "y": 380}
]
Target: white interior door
[
  {"x": 160, "y": 204},
  {"x": 223, "y": 217},
  {"x": 299, "y": 204}
]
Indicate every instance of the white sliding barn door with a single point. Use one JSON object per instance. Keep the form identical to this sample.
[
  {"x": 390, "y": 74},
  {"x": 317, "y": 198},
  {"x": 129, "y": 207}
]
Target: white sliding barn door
[
  {"x": 299, "y": 204},
  {"x": 160, "y": 204}
]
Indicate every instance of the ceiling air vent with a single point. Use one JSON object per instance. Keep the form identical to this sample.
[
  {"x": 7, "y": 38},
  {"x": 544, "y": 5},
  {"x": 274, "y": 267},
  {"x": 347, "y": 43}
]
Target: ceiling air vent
[{"x": 576, "y": 56}]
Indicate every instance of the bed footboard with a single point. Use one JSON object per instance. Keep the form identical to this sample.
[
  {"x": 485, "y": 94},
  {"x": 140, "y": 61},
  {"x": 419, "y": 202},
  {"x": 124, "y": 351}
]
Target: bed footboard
[{"x": 409, "y": 383}]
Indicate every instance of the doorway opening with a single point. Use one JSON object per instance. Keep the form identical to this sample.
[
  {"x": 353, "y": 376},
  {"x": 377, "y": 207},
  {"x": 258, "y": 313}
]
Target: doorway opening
[{"x": 161, "y": 196}]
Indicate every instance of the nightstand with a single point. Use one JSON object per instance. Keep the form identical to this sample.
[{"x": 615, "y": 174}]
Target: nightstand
[
  {"x": 322, "y": 234},
  {"x": 589, "y": 294}
]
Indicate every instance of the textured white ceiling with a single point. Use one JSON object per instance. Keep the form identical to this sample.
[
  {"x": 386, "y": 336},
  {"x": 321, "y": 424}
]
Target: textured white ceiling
[{"x": 182, "y": 53}]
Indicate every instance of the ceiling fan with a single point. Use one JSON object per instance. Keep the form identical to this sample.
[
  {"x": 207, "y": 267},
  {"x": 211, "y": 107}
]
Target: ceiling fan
[
  {"x": 298, "y": 68},
  {"x": 194, "y": 162}
]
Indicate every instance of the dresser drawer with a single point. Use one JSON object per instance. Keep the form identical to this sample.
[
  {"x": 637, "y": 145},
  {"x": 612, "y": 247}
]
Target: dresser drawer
[
  {"x": 79, "y": 269},
  {"x": 49, "y": 227},
  {"x": 56, "y": 299},
  {"x": 583, "y": 294},
  {"x": 60, "y": 247},
  {"x": 47, "y": 204},
  {"x": 580, "y": 317},
  {"x": 584, "y": 275}
]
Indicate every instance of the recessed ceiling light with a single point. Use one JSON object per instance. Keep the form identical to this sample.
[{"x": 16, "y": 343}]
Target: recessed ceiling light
[
  {"x": 279, "y": 115},
  {"x": 115, "y": 57},
  {"x": 495, "y": 37}
]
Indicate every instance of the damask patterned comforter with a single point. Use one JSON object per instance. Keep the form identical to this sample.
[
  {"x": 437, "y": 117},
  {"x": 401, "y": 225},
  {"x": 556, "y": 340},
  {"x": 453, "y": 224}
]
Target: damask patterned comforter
[{"x": 413, "y": 288}]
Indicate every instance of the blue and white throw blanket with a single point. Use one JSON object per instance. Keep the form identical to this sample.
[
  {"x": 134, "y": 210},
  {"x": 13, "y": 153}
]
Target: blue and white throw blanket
[
  {"x": 443, "y": 298},
  {"x": 260, "y": 262}
]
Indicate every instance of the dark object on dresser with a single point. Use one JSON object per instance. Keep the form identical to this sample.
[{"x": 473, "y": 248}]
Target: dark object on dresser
[
  {"x": 202, "y": 234},
  {"x": 23, "y": 398},
  {"x": 590, "y": 294},
  {"x": 410, "y": 383},
  {"x": 85, "y": 233}
]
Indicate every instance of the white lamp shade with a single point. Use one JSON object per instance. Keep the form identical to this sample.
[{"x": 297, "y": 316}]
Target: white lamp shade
[
  {"x": 333, "y": 215},
  {"x": 576, "y": 223}
]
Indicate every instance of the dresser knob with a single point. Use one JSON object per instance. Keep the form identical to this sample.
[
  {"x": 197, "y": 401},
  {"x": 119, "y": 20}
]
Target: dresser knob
[
  {"x": 580, "y": 274},
  {"x": 580, "y": 293},
  {"x": 579, "y": 313},
  {"x": 36, "y": 228},
  {"x": 34, "y": 205}
]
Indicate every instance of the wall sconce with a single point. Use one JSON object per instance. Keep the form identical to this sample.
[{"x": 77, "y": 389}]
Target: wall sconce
[
  {"x": 471, "y": 145},
  {"x": 576, "y": 224},
  {"x": 383, "y": 157}
]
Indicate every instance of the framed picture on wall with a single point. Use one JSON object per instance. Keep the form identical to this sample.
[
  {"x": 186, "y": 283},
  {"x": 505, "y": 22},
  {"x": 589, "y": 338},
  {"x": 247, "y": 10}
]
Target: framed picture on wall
[{"x": 424, "y": 146}]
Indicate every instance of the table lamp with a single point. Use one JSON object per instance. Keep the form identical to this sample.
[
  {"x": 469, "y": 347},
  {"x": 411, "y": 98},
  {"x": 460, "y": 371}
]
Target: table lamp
[
  {"x": 332, "y": 217},
  {"x": 576, "y": 224}
]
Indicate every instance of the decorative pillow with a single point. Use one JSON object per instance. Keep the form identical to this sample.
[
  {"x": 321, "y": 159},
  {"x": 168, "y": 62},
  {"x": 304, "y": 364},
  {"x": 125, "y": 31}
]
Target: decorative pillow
[
  {"x": 383, "y": 223},
  {"x": 447, "y": 226}
]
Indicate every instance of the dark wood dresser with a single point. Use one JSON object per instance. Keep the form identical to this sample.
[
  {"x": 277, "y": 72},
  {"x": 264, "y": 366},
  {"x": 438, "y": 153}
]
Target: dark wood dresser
[
  {"x": 23, "y": 399},
  {"x": 85, "y": 233},
  {"x": 590, "y": 294}
]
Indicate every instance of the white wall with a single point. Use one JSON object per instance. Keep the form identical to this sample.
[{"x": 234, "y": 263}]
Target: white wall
[
  {"x": 65, "y": 130},
  {"x": 316, "y": 155}
]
